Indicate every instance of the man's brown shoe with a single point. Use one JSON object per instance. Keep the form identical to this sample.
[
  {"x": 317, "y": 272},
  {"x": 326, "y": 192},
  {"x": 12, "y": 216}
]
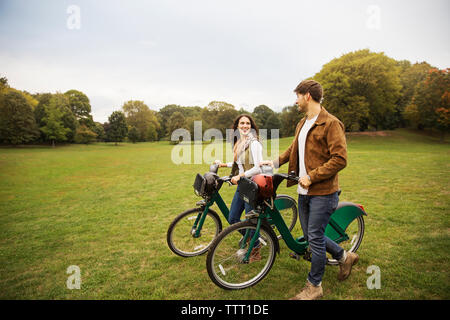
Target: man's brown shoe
[
  {"x": 309, "y": 292},
  {"x": 346, "y": 266}
]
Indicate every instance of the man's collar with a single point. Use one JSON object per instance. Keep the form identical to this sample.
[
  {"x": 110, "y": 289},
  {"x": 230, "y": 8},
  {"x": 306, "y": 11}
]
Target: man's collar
[{"x": 323, "y": 114}]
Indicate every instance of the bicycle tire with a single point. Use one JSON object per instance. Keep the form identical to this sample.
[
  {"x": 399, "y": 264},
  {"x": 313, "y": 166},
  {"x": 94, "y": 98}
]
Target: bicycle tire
[
  {"x": 214, "y": 260},
  {"x": 289, "y": 215},
  {"x": 179, "y": 246}
]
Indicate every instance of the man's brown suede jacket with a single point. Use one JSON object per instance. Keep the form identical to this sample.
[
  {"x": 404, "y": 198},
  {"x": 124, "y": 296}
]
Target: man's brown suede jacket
[{"x": 325, "y": 153}]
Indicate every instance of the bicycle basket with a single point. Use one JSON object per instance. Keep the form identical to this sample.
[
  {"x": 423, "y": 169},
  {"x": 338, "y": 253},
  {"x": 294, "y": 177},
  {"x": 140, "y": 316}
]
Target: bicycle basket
[
  {"x": 199, "y": 185},
  {"x": 248, "y": 191},
  {"x": 206, "y": 184}
]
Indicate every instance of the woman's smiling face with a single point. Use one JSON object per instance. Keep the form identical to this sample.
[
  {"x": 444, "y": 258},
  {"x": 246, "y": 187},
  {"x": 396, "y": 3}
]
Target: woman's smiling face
[{"x": 244, "y": 126}]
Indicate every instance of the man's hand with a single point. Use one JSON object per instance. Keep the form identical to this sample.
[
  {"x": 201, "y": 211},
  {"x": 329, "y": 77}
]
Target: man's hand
[
  {"x": 304, "y": 182},
  {"x": 266, "y": 163}
]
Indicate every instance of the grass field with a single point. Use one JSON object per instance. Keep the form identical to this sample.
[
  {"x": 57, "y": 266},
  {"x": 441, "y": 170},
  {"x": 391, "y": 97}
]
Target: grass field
[{"x": 106, "y": 209}]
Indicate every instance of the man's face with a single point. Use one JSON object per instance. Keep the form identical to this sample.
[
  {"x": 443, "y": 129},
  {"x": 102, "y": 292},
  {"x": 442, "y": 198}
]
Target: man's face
[{"x": 302, "y": 102}]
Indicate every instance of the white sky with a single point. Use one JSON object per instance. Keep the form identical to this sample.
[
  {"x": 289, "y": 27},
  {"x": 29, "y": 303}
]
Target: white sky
[{"x": 192, "y": 52}]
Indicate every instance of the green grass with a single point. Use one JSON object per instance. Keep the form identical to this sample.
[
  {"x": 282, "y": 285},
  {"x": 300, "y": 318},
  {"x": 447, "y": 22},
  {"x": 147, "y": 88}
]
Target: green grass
[{"x": 106, "y": 209}]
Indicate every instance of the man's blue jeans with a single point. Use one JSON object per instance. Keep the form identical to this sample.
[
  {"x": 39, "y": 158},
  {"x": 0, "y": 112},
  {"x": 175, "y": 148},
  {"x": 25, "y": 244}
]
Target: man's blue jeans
[
  {"x": 314, "y": 213},
  {"x": 237, "y": 207}
]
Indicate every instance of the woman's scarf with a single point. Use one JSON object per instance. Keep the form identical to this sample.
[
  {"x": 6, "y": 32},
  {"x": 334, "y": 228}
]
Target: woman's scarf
[{"x": 240, "y": 147}]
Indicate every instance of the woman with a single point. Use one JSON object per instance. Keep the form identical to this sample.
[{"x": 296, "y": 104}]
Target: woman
[{"x": 247, "y": 152}]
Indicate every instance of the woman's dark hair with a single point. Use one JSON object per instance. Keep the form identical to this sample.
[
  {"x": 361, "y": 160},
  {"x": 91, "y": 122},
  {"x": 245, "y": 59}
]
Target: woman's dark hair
[{"x": 254, "y": 128}]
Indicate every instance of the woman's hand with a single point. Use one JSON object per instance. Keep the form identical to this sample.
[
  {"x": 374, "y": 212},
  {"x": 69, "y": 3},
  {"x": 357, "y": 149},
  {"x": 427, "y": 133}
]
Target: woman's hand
[
  {"x": 221, "y": 165},
  {"x": 266, "y": 163},
  {"x": 235, "y": 179}
]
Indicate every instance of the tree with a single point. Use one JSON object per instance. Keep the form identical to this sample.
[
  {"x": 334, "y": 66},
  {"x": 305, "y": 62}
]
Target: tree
[
  {"x": 176, "y": 121},
  {"x": 431, "y": 103},
  {"x": 39, "y": 111},
  {"x": 133, "y": 134},
  {"x": 67, "y": 118},
  {"x": 410, "y": 76},
  {"x": 79, "y": 104},
  {"x": 219, "y": 115},
  {"x": 54, "y": 129},
  {"x": 152, "y": 133},
  {"x": 3, "y": 84},
  {"x": 361, "y": 88},
  {"x": 99, "y": 131},
  {"x": 289, "y": 118},
  {"x": 84, "y": 135},
  {"x": 273, "y": 122},
  {"x": 17, "y": 123},
  {"x": 261, "y": 113},
  {"x": 117, "y": 129},
  {"x": 189, "y": 113},
  {"x": 139, "y": 115}
]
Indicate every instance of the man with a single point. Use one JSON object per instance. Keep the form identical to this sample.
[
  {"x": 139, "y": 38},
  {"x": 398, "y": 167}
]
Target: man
[{"x": 318, "y": 152}]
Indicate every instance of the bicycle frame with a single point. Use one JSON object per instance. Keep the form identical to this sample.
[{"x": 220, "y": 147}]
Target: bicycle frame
[
  {"x": 279, "y": 203},
  {"x": 345, "y": 213},
  {"x": 207, "y": 203}
]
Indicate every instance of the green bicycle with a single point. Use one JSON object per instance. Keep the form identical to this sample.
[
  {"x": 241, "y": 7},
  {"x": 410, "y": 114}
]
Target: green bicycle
[
  {"x": 192, "y": 232},
  {"x": 228, "y": 257}
]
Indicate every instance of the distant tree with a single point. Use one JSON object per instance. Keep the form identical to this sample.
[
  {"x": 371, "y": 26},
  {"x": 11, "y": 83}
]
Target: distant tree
[
  {"x": 152, "y": 133},
  {"x": 164, "y": 115},
  {"x": 289, "y": 118},
  {"x": 219, "y": 115},
  {"x": 261, "y": 113},
  {"x": 133, "y": 134},
  {"x": 3, "y": 84},
  {"x": 17, "y": 123},
  {"x": 361, "y": 88},
  {"x": 54, "y": 129},
  {"x": 84, "y": 135},
  {"x": 106, "y": 128},
  {"x": 176, "y": 121},
  {"x": 100, "y": 131},
  {"x": 410, "y": 76},
  {"x": 272, "y": 123},
  {"x": 39, "y": 111},
  {"x": 68, "y": 119},
  {"x": 431, "y": 103},
  {"x": 79, "y": 104},
  {"x": 117, "y": 129},
  {"x": 139, "y": 115}
]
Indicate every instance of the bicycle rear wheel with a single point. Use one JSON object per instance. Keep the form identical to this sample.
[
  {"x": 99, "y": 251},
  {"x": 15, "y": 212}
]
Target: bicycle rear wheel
[
  {"x": 181, "y": 233},
  {"x": 225, "y": 261}
]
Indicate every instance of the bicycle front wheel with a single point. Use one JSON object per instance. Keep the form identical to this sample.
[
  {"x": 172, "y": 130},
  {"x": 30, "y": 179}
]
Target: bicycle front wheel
[
  {"x": 225, "y": 262},
  {"x": 287, "y": 207},
  {"x": 181, "y": 237}
]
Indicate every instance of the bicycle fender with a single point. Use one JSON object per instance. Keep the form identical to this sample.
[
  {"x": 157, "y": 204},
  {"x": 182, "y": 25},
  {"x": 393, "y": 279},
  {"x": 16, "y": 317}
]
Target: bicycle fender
[
  {"x": 344, "y": 214},
  {"x": 283, "y": 201}
]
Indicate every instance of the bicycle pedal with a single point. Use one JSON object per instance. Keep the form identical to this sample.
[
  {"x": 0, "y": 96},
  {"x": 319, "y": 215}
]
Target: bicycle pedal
[
  {"x": 307, "y": 255},
  {"x": 293, "y": 255}
]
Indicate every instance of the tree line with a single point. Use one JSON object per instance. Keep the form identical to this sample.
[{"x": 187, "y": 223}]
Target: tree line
[{"x": 365, "y": 90}]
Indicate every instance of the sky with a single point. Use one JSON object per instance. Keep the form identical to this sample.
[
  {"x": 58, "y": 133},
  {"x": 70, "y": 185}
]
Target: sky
[{"x": 191, "y": 52}]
